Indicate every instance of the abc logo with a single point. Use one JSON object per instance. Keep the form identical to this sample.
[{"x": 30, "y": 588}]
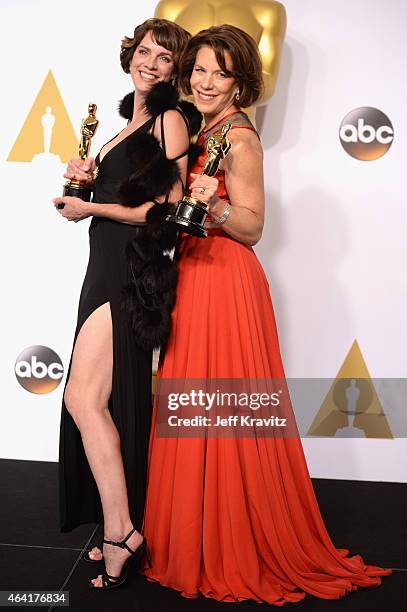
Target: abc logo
[
  {"x": 366, "y": 133},
  {"x": 39, "y": 369}
]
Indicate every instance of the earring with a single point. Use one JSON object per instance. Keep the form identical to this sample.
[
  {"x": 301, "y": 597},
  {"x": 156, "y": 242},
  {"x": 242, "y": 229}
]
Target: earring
[{"x": 237, "y": 96}]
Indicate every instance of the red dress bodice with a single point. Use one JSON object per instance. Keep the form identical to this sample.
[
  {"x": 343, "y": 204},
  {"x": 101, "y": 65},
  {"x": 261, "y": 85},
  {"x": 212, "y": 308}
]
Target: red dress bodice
[{"x": 238, "y": 120}]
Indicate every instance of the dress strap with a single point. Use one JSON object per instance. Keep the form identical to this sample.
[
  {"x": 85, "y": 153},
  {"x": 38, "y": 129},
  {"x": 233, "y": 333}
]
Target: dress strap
[
  {"x": 244, "y": 127},
  {"x": 164, "y": 148},
  {"x": 163, "y": 134},
  {"x": 238, "y": 119}
]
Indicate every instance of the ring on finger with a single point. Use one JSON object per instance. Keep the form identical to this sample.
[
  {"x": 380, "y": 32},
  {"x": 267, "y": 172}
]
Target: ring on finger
[{"x": 202, "y": 189}]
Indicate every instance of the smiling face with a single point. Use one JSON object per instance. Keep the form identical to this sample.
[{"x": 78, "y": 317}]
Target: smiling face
[
  {"x": 213, "y": 89},
  {"x": 150, "y": 63}
]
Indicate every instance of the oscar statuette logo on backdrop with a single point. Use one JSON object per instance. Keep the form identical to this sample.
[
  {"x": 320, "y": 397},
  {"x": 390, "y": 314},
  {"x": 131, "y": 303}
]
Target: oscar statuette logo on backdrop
[
  {"x": 366, "y": 133},
  {"x": 47, "y": 135},
  {"x": 39, "y": 369},
  {"x": 351, "y": 407}
]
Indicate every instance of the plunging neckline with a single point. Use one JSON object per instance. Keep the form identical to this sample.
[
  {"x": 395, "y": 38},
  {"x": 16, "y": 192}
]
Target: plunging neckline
[{"x": 120, "y": 142}]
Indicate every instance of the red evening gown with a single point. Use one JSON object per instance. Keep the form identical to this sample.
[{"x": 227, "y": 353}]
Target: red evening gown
[{"x": 235, "y": 518}]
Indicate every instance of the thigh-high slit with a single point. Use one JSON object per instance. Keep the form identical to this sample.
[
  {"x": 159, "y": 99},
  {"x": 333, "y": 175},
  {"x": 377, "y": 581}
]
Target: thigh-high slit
[{"x": 130, "y": 399}]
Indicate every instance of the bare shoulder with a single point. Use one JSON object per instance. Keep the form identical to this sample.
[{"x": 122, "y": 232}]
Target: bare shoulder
[
  {"x": 242, "y": 138},
  {"x": 175, "y": 132},
  {"x": 172, "y": 122},
  {"x": 173, "y": 119},
  {"x": 245, "y": 144}
]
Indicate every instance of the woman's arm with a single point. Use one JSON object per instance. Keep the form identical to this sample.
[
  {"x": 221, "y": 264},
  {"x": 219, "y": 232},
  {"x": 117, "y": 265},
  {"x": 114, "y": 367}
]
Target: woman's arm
[
  {"x": 177, "y": 142},
  {"x": 76, "y": 209},
  {"x": 120, "y": 213},
  {"x": 243, "y": 168}
]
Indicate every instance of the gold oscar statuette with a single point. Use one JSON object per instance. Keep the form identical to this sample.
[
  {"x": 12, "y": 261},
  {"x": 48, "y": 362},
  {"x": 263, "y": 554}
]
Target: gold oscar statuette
[
  {"x": 191, "y": 213},
  {"x": 264, "y": 20},
  {"x": 89, "y": 126}
]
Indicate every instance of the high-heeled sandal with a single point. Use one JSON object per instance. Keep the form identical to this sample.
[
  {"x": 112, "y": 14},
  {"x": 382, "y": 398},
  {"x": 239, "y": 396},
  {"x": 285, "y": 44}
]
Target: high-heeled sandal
[
  {"x": 89, "y": 559},
  {"x": 111, "y": 582}
]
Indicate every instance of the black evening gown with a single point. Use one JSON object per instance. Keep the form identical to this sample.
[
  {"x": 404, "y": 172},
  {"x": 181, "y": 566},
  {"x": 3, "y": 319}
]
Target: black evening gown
[{"x": 130, "y": 402}]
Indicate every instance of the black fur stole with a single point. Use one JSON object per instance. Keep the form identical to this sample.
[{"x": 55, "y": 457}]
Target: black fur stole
[{"x": 149, "y": 296}]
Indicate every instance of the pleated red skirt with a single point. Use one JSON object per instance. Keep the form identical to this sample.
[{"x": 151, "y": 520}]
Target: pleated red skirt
[{"x": 235, "y": 518}]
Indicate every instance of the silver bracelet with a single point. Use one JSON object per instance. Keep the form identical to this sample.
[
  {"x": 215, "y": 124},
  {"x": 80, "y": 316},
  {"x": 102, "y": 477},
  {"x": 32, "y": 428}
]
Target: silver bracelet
[{"x": 226, "y": 213}]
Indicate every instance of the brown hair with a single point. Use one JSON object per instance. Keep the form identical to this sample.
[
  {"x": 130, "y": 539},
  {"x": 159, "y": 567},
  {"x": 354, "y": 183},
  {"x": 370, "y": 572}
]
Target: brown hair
[
  {"x": 165, "y": 33},
  {"x": 244, "y": 53}
]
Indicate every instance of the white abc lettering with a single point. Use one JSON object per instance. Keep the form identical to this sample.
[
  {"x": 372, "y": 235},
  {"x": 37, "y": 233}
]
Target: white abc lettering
[
  {"x": 380, "y": 134},
  {"x": 35, "y": 364},
  {"x": 39, "y": 369},
  {"x": 55, "y": 371},
  {"x": 349, "y": 133},
  {"x": 23, "y": 369},
  {"x": 366, "y": 133}
]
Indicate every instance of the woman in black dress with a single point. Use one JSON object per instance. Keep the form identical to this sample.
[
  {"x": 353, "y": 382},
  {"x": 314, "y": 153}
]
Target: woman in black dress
[{"x": 106, "y": 411}]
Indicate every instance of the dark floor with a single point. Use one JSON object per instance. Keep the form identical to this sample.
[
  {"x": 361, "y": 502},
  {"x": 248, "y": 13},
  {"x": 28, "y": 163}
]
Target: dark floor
[{"x": 368, "y": 518}]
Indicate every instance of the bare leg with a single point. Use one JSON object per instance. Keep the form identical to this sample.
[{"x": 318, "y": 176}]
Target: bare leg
[{"x": 86, "y": 398}]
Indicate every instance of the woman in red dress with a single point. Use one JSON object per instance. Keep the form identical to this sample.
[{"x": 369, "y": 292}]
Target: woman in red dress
[{"x": 233, "y": 518}]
